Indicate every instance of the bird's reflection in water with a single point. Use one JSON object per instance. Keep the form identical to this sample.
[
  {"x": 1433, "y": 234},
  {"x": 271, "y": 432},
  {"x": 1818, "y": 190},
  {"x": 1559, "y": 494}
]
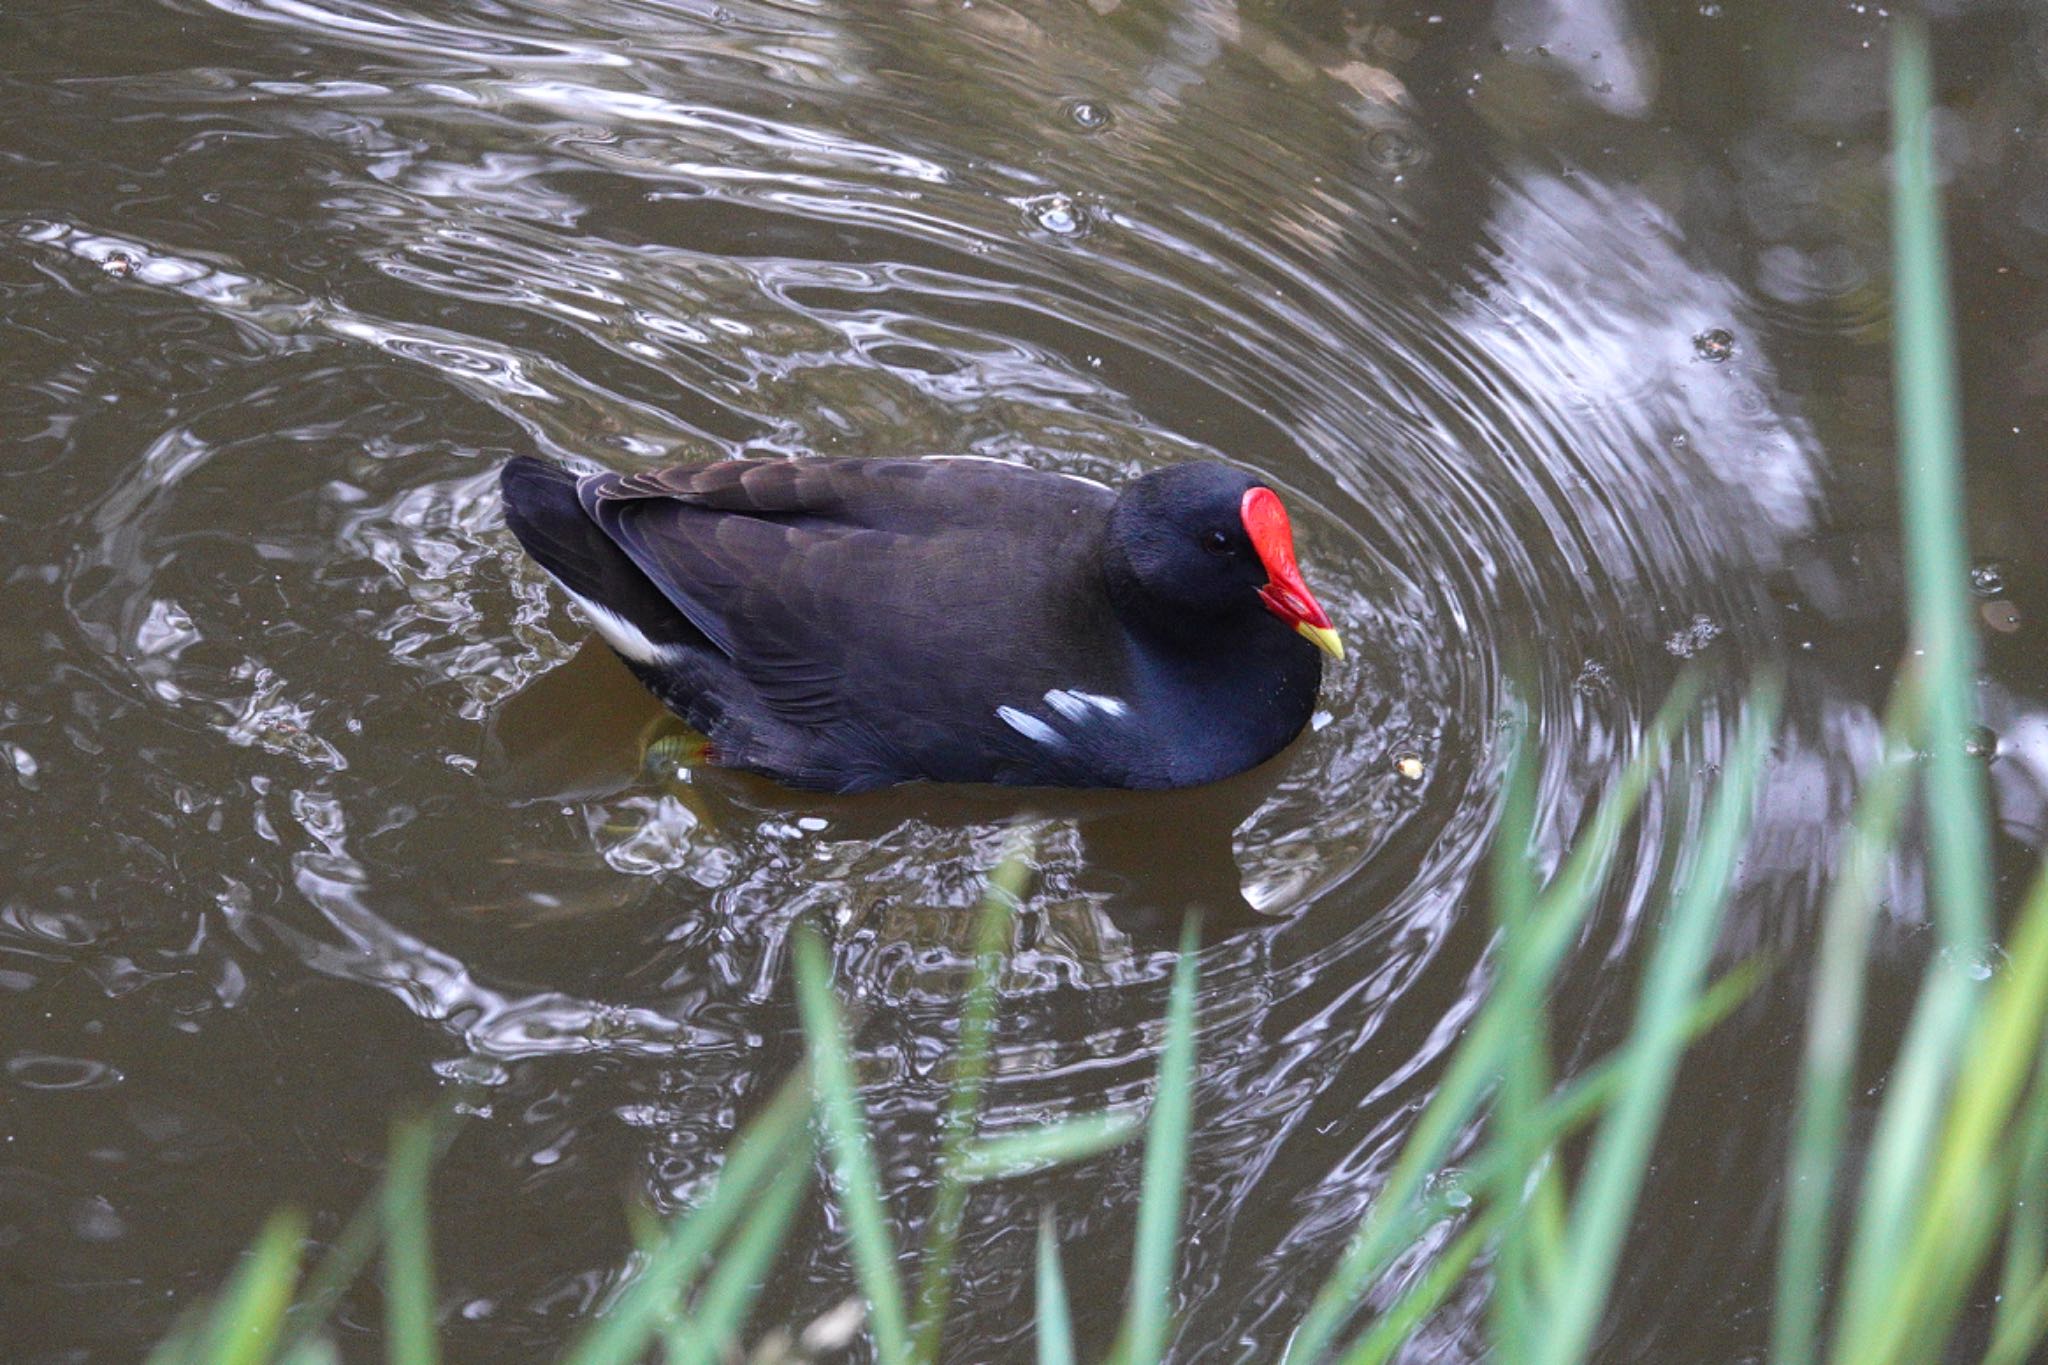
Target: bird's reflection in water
[{"x": 587, "y": 730}]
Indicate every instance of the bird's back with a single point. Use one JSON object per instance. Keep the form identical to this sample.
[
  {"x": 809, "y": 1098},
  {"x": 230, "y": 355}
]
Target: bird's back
[{"x": 852, "y": 623}]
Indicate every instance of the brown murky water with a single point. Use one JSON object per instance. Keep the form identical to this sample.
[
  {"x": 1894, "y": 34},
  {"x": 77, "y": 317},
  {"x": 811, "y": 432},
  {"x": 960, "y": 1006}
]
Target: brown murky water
[{"x": 1562, "y": 326}]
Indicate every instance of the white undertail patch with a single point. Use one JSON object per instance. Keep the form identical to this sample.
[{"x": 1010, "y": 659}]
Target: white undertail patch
[{"x": 621, "y": 634}]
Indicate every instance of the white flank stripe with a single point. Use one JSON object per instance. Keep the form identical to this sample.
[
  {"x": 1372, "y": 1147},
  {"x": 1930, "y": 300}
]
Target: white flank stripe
[
  {"x": 1027, "y": 725},
  {"x": 1068, "y": 704},
  {"x": 1073, "y": 703},
  {"x": 1109, "y": 706}
]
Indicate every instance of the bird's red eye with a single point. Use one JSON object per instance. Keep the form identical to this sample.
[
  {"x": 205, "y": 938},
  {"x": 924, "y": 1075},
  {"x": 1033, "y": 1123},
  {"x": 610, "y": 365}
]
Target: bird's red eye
[{"x": 1216, "y": 542}]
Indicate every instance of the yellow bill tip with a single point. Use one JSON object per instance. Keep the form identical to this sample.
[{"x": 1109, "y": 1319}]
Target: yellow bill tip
[{"x": 1323, "y": 638}]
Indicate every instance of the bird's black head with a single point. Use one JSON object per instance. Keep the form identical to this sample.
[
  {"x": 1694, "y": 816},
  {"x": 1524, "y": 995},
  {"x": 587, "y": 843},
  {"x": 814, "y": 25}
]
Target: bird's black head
[{"x": 1202, "y": 543}]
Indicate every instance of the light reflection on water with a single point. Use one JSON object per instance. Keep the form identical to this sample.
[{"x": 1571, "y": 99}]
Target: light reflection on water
[{"x": 301, "y": 735}]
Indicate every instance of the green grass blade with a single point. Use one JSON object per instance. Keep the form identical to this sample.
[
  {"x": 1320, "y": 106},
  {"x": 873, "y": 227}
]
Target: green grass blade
[
  {"x": 1931, "y": 499},
  {"x": 1678, "y": 964},
  {"x": 1148, "y": 1319},
  {"x": 1495, "y": 1172},
  {"x": 853, "y": 1160},
  {"x": 1896, "y": 1167},
  {"x": 335, "y": 1271},
  {"x": 1528, "y": 1239},
  {"x": 1965, "y": 1198},
  {"x": 1936, "y": 554},
  {"x": 1529, "y": 962},
  {"x": 714, "y": 1328},
  {"x": 775, "y": 1139},
  {"x": 408, "y": 1249},
  {"x": 317, "y": 1351},
  {"x": 1833, "y": 1018},
  {"x": 1055, "y": 1321},
  {"x": 2026, "y": 1239},
  {"x": 244, "y": 1325},
  {"x": 2021, "y": 1330},
  {"x": 963, "y": 1100},
  {"x": 1585, "y": 870},
  {"x": 1051, "y": 1144},
  {"x": 358, "y": 1239},
  {"x": 1425, "y": 1296}
]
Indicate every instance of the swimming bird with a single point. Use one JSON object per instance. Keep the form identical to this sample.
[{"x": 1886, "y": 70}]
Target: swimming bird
[{"x": 847, "y": 624}]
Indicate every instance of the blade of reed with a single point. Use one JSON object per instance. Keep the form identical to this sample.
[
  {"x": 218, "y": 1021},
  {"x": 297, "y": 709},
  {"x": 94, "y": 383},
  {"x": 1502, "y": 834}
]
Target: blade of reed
[
  {"x": 1528, "y": 963},
  {"x": 1049, "y": 1144},
  {"x": 1945, "y": 1283},
  {"x": 2026, "y": 1238},
  {"x": 1829, "y": 1064},
  {"x": 1931, "y": 498},
  {"x": 2021, "y": 1330},
  {"x": 1055, "y": 1320},
  {"x": 1932, "y": 513},
  {"x": 775, "y": 1139},
  {"x": 244, "y": 1324},
  {"x": 358, "y": 1239},
  {"x": 1496, "y": 1173},
  {"x": 335, "y": 1271},
  {"x": 408, "y": 1249},
  {"x": 713, "y": 1328},
  {"x": 1960, "y": 1208},
  {"x": 859, "y": 1189},
  {"x": 1525, "y": 1079},
  {"x": 175, "y": 1346},
  {"x": 1148, "y": 1317},
  {"x": 318, "y": 1351},
  {"x": 1895, "y": 1169},
  {"x": 1678, "y": 964},
  {"x": 1393, "y": 1327},
  {"x": 963, "y": 1100}
]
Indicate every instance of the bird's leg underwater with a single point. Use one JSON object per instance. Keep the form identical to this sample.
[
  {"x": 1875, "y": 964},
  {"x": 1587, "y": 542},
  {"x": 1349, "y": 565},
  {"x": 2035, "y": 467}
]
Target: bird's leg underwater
[{"x": 668, "y": 751}]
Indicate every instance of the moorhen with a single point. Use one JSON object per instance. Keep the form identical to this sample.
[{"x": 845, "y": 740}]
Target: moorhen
[{"x": 845, "y": 624}]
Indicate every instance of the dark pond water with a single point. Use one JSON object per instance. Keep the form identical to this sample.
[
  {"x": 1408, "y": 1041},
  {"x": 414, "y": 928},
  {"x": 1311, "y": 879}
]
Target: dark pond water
[{"x": 1562, "y": 326}]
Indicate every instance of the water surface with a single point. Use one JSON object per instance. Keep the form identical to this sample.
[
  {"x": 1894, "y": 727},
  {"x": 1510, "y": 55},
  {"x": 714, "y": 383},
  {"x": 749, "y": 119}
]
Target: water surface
[{"x": 1562, "y": 329}]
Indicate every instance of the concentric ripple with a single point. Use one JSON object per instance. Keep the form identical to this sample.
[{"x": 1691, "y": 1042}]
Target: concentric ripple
[{"x": 354, "y": 750}]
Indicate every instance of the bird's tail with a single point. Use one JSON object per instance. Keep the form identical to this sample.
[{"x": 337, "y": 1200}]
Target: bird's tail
[{"x": 545, "y": 511}]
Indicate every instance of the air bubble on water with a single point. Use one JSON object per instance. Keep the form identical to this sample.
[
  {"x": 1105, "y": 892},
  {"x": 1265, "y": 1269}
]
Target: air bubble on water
[
  {"x": 1055, "y": 213},
  {"x": 472, "y": 1070},
  {"x": 1593, "y": 679},
  {"x": 1981, "y": 742},
  {"x": 1395, "y": 151},
  {"x": 1981, "y": 962},
  {"x": 1710, "y": 11},
  {"x": 1449, "y": 1185},
  {"x": 1088, "y": 116},
  {"x": 1714, "y": 345},
  {"x": 2002, "y": 617},
  {"x": 1987, "y": 579},
  {"x": 1700, "y": 633}
]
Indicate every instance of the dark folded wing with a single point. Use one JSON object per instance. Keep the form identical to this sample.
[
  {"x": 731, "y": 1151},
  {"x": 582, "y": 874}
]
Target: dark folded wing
[
  {"x": 836, "y": 587},
  {"x": 910, "y": 496}
]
